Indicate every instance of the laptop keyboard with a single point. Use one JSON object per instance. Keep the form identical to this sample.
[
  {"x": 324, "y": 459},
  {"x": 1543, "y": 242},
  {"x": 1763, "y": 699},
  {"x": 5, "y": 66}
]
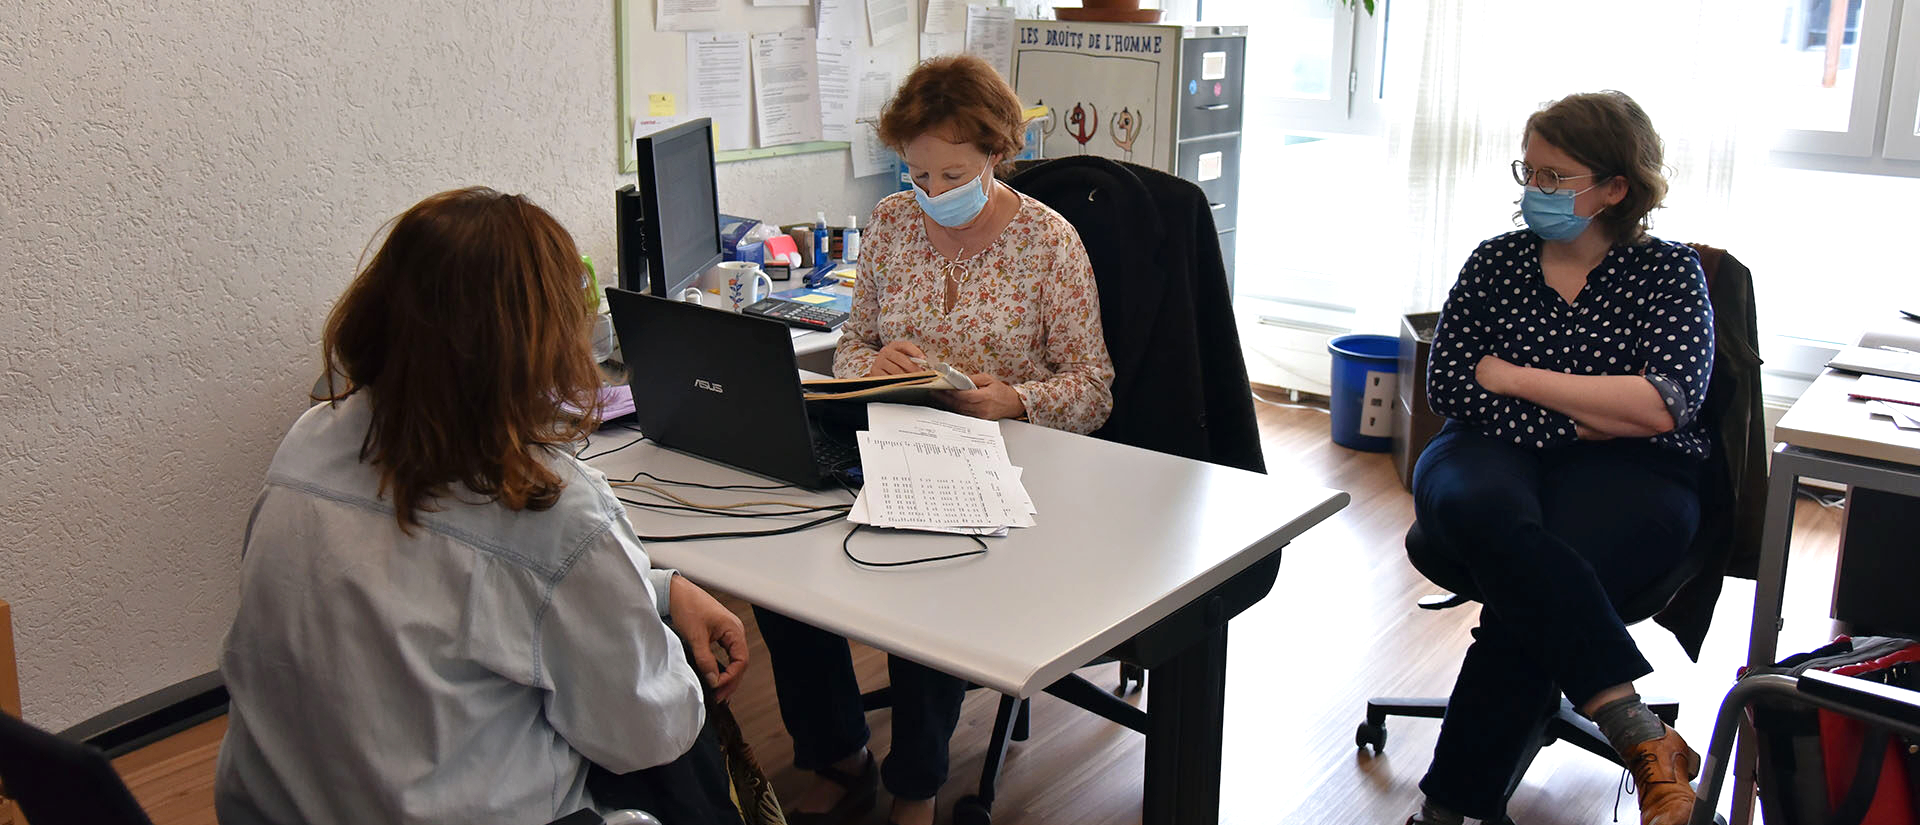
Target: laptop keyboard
[{"x": 831, "y": 454}]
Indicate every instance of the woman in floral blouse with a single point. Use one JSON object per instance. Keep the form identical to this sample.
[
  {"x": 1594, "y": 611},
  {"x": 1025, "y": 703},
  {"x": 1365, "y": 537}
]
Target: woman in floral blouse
[{"x": 969, "y": 272}]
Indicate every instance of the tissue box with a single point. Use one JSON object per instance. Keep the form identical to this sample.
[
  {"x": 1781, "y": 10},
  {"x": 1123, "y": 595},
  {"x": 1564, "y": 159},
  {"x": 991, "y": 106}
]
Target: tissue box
[{"x": 732, "y": 230}]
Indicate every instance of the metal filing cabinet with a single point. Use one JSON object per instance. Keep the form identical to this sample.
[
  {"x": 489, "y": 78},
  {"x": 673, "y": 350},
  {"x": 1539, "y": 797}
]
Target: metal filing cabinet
[{"x": 1165, "y": 96}]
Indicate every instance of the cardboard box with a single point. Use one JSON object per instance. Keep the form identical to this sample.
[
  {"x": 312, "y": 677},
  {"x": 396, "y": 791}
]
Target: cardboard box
[{"x": 1414, "y": 423}]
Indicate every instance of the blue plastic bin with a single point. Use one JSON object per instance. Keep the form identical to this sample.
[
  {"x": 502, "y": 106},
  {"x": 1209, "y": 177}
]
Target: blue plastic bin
[{"x": 1365, "y": 371}]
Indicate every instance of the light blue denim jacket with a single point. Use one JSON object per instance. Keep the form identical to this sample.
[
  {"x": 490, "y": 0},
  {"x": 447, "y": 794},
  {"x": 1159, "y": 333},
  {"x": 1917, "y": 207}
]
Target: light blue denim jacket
[{"x": 464, "y": 673}]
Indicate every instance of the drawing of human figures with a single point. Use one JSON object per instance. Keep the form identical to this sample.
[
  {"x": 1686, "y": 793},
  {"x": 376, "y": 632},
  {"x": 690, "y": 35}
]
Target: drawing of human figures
[
  {"x": 1082, "y": 124},
  {"x": 1124, "y": 130}
]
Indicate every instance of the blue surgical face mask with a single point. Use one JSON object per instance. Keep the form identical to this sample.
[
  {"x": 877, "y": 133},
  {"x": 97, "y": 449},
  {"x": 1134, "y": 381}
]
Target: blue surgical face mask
[
  {"x": 955, "y": 206},
  {"x": 1551, "y": 215}
]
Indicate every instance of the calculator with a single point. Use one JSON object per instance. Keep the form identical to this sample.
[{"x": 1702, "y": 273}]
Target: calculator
[{"x": 797, "y": 314}]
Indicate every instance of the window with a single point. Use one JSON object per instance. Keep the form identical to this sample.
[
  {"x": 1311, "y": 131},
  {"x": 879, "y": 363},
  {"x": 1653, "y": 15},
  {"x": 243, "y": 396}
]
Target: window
[
  {"x": 1313, "y": 159},
  {"x": 1839, "y": 80},
  {"x": 1313, "y": 64},
  {"x": 1903, "y": 111}
]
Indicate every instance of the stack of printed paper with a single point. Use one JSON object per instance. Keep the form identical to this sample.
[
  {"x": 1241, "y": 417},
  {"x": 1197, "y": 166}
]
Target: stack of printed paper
[{"x": 928, "y": 469}]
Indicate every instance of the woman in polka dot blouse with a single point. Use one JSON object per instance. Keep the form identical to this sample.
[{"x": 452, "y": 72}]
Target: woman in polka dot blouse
[{"x": 1571, "y": 362}]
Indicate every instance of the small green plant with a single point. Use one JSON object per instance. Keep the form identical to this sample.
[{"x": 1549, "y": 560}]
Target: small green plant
[{"x": 1366, "y": 4}]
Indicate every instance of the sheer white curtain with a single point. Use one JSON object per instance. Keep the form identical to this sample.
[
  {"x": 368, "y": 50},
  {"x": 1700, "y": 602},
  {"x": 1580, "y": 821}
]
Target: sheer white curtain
[{"x": 1474, "y": 71}]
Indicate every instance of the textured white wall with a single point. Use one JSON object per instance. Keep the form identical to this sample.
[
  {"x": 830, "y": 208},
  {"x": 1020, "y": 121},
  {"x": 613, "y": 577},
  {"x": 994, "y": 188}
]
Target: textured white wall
[{"x": 184, "y": 189}]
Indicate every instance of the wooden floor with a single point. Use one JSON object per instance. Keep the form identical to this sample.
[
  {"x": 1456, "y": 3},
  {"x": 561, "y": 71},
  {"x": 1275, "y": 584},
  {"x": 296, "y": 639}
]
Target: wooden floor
[{"x": 1338, "y": 628}]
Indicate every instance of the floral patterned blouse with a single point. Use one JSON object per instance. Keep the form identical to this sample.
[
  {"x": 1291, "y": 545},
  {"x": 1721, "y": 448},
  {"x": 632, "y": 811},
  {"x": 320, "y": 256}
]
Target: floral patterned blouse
[{"x": 1027, "y": 310}]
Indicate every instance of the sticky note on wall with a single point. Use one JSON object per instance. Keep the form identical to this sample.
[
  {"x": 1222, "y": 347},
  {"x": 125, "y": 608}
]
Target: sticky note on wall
[{"x": 659, "y": 104}]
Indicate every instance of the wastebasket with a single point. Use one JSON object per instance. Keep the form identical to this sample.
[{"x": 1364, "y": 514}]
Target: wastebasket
[{"x": 1366, "y": 369}]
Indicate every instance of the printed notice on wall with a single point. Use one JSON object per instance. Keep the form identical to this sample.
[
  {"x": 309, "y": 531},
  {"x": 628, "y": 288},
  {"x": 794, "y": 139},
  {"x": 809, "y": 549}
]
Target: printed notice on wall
[
  {"x": 990, "y": 37},
  {"x": 889, "y": 19},
  {"x": 685, "y": 15},
  {"x": 786, "y": 87},
  {"x": 839, "y": 19},
  {"x": 717, "y": 68},
  {"x": 944, "y": 17},
  {"x": 870, "y": 156},
  {"x": 837, "y": 60},
  {"x": 938, "y": 45},
  {"x": 876, "y": 86}
]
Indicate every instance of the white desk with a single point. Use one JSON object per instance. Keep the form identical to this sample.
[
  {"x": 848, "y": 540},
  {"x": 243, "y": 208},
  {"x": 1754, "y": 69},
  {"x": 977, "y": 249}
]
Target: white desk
[
  {"x": 1829, "y": 436},
  {"x": 1129, "y": 545}
]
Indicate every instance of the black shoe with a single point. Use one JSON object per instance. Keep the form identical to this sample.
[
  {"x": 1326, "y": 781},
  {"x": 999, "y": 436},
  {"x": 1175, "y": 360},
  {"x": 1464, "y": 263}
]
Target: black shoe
[{"x": 861, "y": 790}]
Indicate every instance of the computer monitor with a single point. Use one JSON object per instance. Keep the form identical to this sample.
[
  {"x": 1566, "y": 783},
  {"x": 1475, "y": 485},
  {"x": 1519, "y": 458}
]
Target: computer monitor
[{"x": 678, "y": 213}]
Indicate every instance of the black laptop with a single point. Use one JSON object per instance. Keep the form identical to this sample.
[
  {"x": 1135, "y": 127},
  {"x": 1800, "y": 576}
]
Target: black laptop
[{"x": 724, "y": 387}]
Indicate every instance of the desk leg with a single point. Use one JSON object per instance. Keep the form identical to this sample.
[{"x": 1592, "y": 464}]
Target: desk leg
[
  {"x": 1186, "y": 715},
  {"x": 1769, "y": 590}
]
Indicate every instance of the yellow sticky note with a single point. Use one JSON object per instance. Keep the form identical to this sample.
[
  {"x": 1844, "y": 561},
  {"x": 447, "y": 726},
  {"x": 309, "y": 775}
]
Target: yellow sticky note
[
  {"x": 660, "y": 104},
  {"x": 815, "y": 299}
]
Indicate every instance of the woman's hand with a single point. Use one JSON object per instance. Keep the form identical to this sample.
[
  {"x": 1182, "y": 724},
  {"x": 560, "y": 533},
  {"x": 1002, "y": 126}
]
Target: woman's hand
[
  {"x": 896, "y": 358},
  {"x": 991, "y": 399},
  {"x": 703, "y": 622},
  {"x": 1495, "y": 374}
]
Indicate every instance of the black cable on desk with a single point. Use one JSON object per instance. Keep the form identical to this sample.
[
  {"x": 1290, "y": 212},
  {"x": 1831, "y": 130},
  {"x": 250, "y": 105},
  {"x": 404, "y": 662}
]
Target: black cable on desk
[
  {"x": 735, "y": 513},
  {"x": 748, "y": 534},
  {"x": 848, "y": 538},
  {"x": 609, "y": 451},
  {"x": 636, "y": 477}
]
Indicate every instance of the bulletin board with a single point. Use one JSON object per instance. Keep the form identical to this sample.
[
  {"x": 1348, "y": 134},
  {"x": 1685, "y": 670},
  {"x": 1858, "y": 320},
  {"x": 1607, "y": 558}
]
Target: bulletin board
[{"x": 650, "y": 62}]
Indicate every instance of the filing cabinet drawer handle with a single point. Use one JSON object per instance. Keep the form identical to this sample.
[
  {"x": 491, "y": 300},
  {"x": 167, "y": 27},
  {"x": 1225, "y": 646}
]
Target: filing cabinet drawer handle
[
  {"x": 1215, "y": 107},
  {"x": 1216, "y": 206}
]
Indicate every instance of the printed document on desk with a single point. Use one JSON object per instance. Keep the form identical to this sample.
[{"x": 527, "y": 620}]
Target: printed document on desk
[{"x": 929, "y": 469}]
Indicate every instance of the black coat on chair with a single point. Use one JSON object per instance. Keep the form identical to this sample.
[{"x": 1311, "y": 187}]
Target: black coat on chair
[{"x": 1180, "y": 382}]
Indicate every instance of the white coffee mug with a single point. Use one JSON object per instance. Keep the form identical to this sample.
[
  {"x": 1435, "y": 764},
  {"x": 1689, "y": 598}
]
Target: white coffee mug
[{"x": 731, "y": 285}]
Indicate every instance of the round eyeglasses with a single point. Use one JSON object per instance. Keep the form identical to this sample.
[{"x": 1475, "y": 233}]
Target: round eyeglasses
[{"x": 1548, "y": 180}]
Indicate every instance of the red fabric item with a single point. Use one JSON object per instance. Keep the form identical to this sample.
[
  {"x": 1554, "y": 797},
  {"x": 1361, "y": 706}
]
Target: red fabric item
[{"x": 1840, "y": 742}]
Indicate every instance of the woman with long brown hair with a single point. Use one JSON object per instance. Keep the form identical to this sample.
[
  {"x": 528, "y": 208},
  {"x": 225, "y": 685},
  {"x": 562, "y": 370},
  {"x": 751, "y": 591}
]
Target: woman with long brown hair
[{"x": 444, "y": 616}]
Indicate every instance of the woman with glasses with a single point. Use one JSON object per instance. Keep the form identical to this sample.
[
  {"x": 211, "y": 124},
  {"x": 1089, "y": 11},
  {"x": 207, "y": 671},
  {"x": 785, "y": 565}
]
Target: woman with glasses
[{"x": 1571, "y": 362}]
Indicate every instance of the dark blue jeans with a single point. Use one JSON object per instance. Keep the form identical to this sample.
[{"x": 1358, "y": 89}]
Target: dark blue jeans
[
  {"x": 1555, "y": 540},
  {"x": 820, "y": 705}
]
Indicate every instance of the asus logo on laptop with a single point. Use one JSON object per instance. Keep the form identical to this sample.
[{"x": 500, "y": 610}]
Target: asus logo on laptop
[{"x": 709, "y": 386}]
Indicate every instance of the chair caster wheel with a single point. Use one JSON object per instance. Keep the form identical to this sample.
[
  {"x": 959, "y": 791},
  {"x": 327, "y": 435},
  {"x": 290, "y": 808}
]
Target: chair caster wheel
[
  {"x": 1371, "y": 734},
  {"x": 971, "y": 811}
]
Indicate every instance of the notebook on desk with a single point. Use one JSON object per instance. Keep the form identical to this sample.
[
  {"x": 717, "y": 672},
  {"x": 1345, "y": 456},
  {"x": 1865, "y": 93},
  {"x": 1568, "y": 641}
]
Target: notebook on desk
[{"x": 724, "y": 387}]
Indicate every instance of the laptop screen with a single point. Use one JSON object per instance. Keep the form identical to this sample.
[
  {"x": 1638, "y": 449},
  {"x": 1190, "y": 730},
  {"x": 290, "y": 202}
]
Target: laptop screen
[{"x": 716, "y": 384}]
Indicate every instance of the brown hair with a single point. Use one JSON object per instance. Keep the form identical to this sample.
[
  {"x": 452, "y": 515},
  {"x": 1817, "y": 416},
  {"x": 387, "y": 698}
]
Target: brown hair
[
  {"x": 1610, "y": 134},
  {"x": 467, "y": 330},
  {"x": 961, "y": 96}
]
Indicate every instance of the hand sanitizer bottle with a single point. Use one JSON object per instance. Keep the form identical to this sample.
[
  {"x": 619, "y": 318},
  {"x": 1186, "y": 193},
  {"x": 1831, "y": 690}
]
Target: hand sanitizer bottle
[{"x": 850, "y": 241}]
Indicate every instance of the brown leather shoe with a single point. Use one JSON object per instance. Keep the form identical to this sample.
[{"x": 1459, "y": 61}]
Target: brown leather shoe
[{"x": 1662, "y": 770}]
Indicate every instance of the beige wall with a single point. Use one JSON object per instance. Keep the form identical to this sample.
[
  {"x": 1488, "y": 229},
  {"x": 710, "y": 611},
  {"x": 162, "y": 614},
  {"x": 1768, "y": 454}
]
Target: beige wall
[{"x": 184, "y": 188}]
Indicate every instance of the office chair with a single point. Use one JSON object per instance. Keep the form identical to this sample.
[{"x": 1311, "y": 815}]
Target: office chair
[
  {"x": 1734, "y": 467},
  {"x": 1565, "y": 724},
  {"x": 1180, "y": 382}
]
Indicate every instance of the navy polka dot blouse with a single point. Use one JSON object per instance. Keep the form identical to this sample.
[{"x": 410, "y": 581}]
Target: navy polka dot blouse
[{"x": 1643, "y": 311}]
